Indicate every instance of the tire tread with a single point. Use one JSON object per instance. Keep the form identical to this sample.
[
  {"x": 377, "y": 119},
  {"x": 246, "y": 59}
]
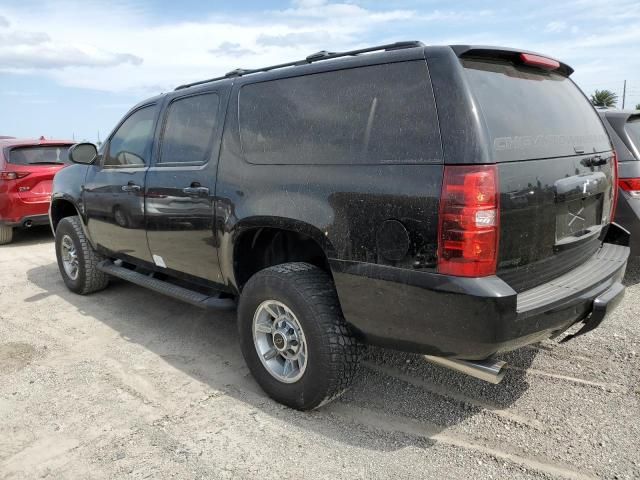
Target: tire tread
[
  {"x": 6, "y": 234},
  {"x": 94, "y": 279}
]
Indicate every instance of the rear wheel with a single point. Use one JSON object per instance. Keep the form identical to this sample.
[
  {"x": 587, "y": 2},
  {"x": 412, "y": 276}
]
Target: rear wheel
[
  {"x": 293, "y": 336},
  {"x": 6, "y": 234},
  {"x": 77, "y": 260}
]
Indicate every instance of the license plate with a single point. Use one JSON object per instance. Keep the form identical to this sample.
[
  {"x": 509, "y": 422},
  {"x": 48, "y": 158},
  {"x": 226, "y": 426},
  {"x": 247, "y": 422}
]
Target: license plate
[{"x": 576, "y": 218}]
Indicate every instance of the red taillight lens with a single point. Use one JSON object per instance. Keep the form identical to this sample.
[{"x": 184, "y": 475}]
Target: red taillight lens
[
  {"x": 630, "y": 185},
  {"x": 614, "y": 183},
  {"x": 12, "y": 175},
  {"x": 539, "y": 61},
  {"x": 469, "y": 221}
]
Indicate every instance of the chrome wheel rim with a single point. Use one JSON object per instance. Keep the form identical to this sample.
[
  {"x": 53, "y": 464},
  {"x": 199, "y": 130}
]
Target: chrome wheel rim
[
  {"x": 279, "y": 341},
  {"x": 69, "y": 257}
]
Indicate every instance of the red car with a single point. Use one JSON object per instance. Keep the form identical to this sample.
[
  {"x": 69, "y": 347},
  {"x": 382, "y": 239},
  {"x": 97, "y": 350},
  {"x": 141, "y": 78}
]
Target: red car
[{"x": 27, "y": 167}]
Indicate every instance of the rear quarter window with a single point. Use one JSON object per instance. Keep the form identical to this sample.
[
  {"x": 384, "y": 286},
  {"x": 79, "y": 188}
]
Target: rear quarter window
[
  {"x": 531, "y": 113},
  {"x": 379, "y": 114},
  {"x": 633, "y": 130}
]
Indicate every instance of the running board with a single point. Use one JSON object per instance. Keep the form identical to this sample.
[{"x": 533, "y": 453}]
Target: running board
[{"x": 174, "y": 291}]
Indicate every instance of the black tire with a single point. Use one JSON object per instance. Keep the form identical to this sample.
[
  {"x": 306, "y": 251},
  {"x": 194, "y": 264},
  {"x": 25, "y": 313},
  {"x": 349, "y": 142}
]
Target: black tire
[
  {"x": 333, "y": 352},
  {"x": 6, "y": 234},
  {"x": 89, "y": 278}
]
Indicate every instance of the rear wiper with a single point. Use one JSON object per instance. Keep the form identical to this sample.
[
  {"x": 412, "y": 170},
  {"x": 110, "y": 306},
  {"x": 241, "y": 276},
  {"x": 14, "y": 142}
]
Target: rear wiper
[{"x": 46, "y": 163}]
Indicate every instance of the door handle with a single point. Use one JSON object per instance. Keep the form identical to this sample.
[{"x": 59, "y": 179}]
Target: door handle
[
  {"x": 131, "y": 187},
  {"x": 196, "y": 191}
]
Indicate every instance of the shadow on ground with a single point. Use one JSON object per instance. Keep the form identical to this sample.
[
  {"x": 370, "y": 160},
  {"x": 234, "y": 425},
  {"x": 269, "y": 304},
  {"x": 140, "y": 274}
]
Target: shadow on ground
[{"x": 205, "y": 346}]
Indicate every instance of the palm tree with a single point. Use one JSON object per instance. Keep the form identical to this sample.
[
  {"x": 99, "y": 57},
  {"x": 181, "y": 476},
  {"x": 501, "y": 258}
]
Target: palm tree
[{"x": 604, "y": 98}]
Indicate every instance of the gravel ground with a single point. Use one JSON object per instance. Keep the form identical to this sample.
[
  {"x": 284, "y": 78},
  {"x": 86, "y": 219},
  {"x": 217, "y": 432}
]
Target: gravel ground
[{"x": 127, "y": 383}]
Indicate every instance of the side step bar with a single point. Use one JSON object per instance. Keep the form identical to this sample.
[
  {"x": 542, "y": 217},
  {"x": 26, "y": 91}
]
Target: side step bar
[
  {"x": 489, "y": 370},
  {"x": 174, "y": 291}
]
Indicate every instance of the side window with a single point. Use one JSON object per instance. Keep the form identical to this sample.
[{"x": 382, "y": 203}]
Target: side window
[
  {"x": 375, "y": 114},
  {"x": 129, "y": 146},
  {"x": 189, "y": 129},
  {"x": 633, "y": 130}
]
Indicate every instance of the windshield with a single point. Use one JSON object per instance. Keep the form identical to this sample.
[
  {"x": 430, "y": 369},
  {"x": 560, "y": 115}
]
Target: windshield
[
  {"x": 633, "y": 129},
  {"x": 533, "y": 113},
  {"x": 49, "y": 155}
]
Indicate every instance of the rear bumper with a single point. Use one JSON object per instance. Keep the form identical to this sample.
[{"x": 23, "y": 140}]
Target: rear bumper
[
  {"x": 26, "y": 221},
  {"x": 15, "y": 212},
  {"x": 474, "y": 318}
]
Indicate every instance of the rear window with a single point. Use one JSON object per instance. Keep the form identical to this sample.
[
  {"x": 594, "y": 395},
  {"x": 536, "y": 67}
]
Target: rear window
[
  {"x": 633, "y": 130},
  {"x": 49, "y": 155},
  {"x": 374, "y": 114},
  {"x": 532, "y": 113}
]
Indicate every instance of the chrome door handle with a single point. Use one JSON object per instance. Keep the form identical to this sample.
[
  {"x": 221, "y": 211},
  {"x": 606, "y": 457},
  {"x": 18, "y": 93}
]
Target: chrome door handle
[
  {"x": 131, "y": 187},
  {"x": 196, "y": 191}
]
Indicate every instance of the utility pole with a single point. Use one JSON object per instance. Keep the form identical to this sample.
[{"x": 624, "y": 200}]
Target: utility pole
[{"x": 624, "y": 93}]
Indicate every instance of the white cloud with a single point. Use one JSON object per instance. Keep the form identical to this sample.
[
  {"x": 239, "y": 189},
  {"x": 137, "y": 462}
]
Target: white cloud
[
  {"x": 120, "y": 47},
  {"x": 124, "y": 51},
  {"x": 230, "y": 49},
  {"x": 556, "y": 27},
  {"x": 309, "y": 3},
  {"x": 22, "y": 50}
]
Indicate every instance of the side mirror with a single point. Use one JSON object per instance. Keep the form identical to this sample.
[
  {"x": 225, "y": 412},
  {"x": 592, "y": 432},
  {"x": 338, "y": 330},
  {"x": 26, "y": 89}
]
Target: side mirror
[{"x": 84, "y": 153}]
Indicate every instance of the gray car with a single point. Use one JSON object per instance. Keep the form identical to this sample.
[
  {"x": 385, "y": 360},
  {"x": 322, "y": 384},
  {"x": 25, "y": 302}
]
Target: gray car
[{"x": 624, "y": 128}]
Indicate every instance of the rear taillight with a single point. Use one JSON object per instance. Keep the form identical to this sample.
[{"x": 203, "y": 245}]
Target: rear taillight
[
  {"x": 469, "y": 222},
  {"x": 631, "y": 186},
  {"x": 614, "y": 183},
  {"x": 12, "y": 175}
]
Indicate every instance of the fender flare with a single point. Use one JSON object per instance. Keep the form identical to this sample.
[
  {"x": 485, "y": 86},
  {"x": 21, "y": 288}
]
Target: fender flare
[
  {"x": 229, "y": 240},
  {"x": 65, "y": 198}
]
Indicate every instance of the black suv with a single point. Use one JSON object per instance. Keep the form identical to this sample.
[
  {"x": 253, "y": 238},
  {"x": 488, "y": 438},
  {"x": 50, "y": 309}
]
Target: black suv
[
  {"x": 453, "y": 201},
  {"x": 624, "y": 128}
]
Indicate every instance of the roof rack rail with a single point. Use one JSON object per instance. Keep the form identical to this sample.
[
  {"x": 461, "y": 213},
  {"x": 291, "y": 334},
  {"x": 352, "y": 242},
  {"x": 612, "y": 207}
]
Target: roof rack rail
[{"x": 315, "y": 57}]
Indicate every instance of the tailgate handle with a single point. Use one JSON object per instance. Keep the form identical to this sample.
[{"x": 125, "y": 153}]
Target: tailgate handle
[{"x": 580, "y": 186}]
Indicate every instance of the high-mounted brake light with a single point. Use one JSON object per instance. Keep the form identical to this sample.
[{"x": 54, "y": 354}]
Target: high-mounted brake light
[
  {"x": 12, "y": 175},
  {"x": 539, "y": 61},
  {"x": 469, "y": 221}
]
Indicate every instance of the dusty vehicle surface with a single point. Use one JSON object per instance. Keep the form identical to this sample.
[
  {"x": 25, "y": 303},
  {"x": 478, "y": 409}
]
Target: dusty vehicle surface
[
  {"x": 453, "y": 201},
  {"x": 27, "y": 168},
  {"x": 624, "y": 128}
]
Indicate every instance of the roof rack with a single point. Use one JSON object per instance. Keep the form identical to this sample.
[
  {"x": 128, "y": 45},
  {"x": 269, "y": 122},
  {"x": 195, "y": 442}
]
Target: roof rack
[{"x": 318, "y": 56}]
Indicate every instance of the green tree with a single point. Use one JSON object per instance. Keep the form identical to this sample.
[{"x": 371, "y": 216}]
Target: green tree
[
  {"x": 638, "y": 106},
  {"x": 604, "y": 98}
]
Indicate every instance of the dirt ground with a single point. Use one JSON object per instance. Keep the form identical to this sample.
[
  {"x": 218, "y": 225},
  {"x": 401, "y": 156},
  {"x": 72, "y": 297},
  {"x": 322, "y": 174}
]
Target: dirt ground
[{"x": 129, "y": 384}]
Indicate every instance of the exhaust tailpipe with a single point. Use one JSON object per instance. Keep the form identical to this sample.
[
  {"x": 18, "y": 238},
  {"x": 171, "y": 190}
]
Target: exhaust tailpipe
[
  {"x": 489, "y": 370},
  {"x": 28, "y": 224}
]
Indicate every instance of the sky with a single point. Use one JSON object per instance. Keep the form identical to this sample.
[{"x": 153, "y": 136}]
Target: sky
[{"x": 71, "y": 69}]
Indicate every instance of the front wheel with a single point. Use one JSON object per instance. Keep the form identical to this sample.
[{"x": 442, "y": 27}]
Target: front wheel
[
  {"x": 293, "y": 336},
  {"x": 77, "y": 260}
]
